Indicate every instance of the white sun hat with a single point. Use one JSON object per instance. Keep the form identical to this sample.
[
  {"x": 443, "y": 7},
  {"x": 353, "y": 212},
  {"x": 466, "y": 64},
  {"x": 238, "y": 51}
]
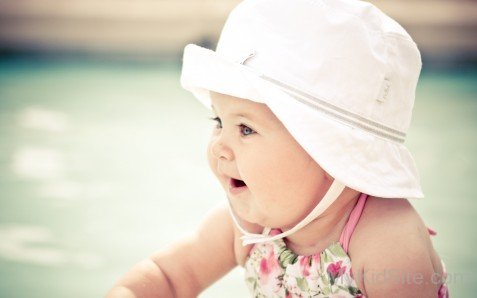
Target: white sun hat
[{"x": 339, "y": 74}]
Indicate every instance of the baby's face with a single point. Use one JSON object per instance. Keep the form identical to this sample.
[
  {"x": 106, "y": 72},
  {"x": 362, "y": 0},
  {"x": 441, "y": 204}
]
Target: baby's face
[{"x": 283, "y": 183}]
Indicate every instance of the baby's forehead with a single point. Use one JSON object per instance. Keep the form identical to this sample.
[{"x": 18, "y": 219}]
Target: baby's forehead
[{"x": 235, "y": 106}]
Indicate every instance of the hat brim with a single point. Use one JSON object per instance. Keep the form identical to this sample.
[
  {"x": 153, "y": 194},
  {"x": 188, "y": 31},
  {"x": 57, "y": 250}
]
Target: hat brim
[{"x": 361, "y": 160}]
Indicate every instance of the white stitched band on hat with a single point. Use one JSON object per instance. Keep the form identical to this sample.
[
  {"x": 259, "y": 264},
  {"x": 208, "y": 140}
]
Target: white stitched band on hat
[{"x": 339, "y": 113}]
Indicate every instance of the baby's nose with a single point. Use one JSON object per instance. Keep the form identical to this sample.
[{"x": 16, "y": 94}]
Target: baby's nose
[{"x": 220, "y": 150}]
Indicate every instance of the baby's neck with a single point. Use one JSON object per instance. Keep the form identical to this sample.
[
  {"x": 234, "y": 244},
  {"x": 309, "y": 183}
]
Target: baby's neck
[{"x": 324, "y": 230}]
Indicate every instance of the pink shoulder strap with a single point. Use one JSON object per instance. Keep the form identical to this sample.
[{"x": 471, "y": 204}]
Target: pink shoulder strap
[{"x": 352, "y": 222}]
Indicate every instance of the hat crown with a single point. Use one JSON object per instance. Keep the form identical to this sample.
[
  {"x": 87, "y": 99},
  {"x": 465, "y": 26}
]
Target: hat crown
[{"x": 345, "y": 52}]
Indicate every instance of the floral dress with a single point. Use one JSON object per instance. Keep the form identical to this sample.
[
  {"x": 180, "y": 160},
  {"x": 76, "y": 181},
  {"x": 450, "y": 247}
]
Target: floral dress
[{"x": 273, "y": 270}]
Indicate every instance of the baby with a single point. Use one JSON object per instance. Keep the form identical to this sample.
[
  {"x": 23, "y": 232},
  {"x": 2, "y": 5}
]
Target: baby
[{"x": 312, "y": 100}]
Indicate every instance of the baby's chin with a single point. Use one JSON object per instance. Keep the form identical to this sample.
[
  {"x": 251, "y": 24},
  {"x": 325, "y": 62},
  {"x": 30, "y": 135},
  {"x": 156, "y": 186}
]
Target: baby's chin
[
  {"x": 251, "y": 221},
  {"x": 244, "y": 214}
]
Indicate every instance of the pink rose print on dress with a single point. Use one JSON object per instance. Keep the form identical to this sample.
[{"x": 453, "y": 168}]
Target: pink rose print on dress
[
  {"x": 316, "y": 258},
  {"x": 335, "y": 270},
  {"x": 270, "y": 271},
  {"x": 305, "y": 265}
]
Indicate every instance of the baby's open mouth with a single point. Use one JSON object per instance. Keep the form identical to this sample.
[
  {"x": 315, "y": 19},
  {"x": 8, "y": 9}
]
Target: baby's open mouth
[{"x": 237, "y": 183}]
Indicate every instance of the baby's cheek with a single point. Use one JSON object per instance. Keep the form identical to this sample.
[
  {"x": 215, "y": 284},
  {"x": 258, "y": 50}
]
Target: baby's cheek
[
  {"x": 267, "y": 180},
  {"x": 212, "y": 160}
]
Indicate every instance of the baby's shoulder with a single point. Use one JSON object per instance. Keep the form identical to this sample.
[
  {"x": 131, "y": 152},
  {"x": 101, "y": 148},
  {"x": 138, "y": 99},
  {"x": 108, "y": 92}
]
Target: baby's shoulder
[
  {"x": 387, "y": 226},
  {"x": 391, "y": 237}
]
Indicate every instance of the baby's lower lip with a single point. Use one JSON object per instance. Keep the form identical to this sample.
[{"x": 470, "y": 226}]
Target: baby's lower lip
[{"x": 237, "y": 190}]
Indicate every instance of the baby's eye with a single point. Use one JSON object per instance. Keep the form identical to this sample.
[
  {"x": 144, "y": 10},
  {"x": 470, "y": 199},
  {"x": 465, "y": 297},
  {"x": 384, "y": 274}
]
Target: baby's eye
[
  {"x": 219, "y": 122},
  {"x": 245, "y": 130}
]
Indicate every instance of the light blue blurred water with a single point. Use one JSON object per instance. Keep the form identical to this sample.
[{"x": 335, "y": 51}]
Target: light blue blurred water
[{"x": 103, "y": 163}]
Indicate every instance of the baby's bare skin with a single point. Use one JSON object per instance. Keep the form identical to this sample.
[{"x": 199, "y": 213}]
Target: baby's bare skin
[{"x": 389, "y": 236}]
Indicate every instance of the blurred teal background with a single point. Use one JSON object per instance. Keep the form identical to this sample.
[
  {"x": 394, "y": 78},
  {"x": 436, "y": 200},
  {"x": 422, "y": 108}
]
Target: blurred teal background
[{"x": 102, "y": 154}]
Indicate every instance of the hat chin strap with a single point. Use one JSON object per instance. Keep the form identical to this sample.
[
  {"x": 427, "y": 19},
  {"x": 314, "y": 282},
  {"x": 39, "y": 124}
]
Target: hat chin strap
[{"x": 331, "y": 195}]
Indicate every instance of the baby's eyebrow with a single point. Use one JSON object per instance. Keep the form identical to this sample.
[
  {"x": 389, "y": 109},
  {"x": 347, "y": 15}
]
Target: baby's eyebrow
[
  {"x": 240, "y": 114},
  {"x": 250, "y": 117},
  {"x": 244, "y": 115}
]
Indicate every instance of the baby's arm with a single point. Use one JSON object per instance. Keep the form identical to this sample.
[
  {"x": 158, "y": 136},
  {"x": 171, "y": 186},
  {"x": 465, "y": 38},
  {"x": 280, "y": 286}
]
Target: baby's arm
[
  {"x": 404, "y": 273},
  {"x": 395, "y": 257},
  {"x": 185, "y": 268}
]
